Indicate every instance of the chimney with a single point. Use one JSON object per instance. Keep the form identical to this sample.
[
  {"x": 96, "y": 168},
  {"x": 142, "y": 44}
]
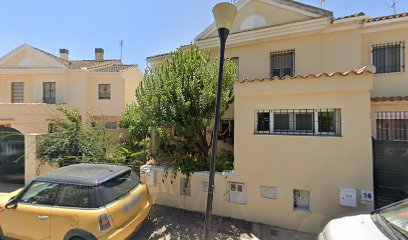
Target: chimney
[
  {"x": 99, "y": 54},
  {"x": 64, "y": 54}
]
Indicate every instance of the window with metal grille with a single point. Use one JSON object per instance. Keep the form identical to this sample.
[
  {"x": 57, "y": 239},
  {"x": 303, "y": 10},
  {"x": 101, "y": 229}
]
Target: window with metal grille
[
  {"x": 392, "y": 126},
  {"x": 298, "y": 122},
  {"x": 49, "y": 92},
  {"x": 389, "y": 57},
  {"x": 104, "y": 91},
  {"x": 17, "y": 92},
  {"x": 283, "y": 63}
]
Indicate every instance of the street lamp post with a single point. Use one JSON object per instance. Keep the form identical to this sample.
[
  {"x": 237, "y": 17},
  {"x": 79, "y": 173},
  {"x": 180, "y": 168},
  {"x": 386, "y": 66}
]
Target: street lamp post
[{"x": 224, "y": 14}]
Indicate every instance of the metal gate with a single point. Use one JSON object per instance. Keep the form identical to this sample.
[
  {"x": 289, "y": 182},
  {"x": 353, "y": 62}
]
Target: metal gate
[
  {"x": 390, "y": 171},
  {"x": 11, "y": 155}
]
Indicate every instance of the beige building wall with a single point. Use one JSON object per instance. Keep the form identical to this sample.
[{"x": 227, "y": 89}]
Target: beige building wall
[
  {"x": 76, "y": 88},
  {"x": 318, "y": 164}
]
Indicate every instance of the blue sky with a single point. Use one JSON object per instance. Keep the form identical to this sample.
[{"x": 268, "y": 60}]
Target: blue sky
[{"x": 146, "y": 27}]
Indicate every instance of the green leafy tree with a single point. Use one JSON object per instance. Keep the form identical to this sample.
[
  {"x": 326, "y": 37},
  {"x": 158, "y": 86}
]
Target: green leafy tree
[
  {"x": 73, "y": 141},
  {"x": 177, "y": 101}
]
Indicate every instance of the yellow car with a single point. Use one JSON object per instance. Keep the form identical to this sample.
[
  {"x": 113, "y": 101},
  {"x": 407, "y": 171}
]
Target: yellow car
[{"x": 79, "y": 202}]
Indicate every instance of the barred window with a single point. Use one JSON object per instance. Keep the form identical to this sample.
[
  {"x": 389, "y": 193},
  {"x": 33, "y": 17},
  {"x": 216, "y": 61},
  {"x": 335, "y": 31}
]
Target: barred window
[
  {"x": 17, "y": 92},
  {"x": 283, "y": 63},
  {"x": 392, "y": 126},
  {"x": 389, "y": 57},
  {"x": 298, "y": 122},
  {"x": 104, "y": 91},
  {"x": 49, "y": 92}
]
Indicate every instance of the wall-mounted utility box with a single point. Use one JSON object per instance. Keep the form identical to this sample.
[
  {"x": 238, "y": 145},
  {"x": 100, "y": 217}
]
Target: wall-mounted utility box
[
  {"x": 348, "y": 197},
  {"x": 151, "y": 177}
]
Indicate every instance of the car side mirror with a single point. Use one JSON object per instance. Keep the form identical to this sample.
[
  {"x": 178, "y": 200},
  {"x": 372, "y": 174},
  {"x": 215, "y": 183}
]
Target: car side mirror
[{"x": 12, "y": 204}]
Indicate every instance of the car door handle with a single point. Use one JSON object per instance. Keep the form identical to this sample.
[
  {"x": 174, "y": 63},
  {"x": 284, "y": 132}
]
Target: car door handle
[{"x": 43, "y": 217}]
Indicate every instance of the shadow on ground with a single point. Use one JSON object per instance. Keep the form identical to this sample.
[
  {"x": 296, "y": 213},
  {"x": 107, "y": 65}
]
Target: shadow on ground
[{"x": 171, "y": 223}]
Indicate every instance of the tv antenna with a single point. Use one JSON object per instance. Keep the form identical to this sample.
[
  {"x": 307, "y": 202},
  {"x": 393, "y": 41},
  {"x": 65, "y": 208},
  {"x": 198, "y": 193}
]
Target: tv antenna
[
  {"x": 394, "y": 6},
  {"x": 322, "y": 2},
  {"x": 121, "y": 49}
]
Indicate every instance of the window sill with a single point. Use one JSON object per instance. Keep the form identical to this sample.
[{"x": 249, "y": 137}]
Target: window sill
[
  {"x": 302, "y": 210},
  {"x": 389, "y": 74},
  {"x": 298, "y": 135}
]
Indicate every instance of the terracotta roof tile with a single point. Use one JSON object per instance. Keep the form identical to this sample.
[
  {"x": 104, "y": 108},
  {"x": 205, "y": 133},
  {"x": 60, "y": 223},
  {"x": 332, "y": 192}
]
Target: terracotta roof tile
[
  {"x": 58, "y": 59},
  {"x": 109, "y": 65},
  {"x": 89, "y": 64},
  {"x": 166, "y": 54},
  {"x": 359, "y": 71},
  {"x": 389, "y": 99},
  {"x": 351, "y": 16},
  {"x": 399, "y": 15},
  {"x": 113, "y": 68}
]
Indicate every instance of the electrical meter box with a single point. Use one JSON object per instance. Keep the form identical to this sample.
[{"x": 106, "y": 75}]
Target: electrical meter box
[
  {"x": 151, "y": 177},
  {"x": 348, "y": 197}
]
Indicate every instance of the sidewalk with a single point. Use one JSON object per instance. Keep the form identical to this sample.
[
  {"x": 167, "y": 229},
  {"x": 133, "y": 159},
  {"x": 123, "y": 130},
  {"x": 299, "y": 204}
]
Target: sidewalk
[{"x": 171, "y": 223}]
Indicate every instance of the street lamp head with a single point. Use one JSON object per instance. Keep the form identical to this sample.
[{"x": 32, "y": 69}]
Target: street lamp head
[{"x": 224, "y": 14}]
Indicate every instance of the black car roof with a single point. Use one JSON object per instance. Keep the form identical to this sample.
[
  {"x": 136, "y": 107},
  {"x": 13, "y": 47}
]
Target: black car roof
[{"x": 84, "y": 174}]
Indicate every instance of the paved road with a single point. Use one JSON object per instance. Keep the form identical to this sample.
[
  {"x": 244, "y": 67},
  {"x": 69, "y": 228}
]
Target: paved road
[{"x": 170, "y": 223}]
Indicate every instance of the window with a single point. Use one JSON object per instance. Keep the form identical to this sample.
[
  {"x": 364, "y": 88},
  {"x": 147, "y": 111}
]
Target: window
[
  {"x": 17, "y": 92},
  {"x": 389, "y": 58},
  {"x": 392, "y": 126},
  {"x": 283, "y": 63},
  {"x": 111, "y": 125},
  {"x": 235, "y": 60},
  {"x": 304, "y": 121},
  {"x": 301, "y": 200},
  {"x": 298, "y": 122},
  {"x": 41, "y": 193},
  {"x": 281, "y": 122},
  {"x": 227, "y": 130},
  {"x": 237, "y": 193},
  {"x": 119, "y": 186},
  {"x": 104, "y": 91},
  {"x": 74, "y": 196},
  {"x": 49, "y": 92},
  {"x": 185, "y": 187},
  {"x": 262, "y": 123}
]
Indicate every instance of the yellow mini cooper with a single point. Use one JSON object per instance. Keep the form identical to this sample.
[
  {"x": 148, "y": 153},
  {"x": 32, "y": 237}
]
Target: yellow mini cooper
[{"x": 79, "y": 202}]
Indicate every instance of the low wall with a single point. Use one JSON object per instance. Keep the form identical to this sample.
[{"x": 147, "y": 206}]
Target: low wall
[
  {"x": 167, "y": 191},
  {"x": 255, "y": 206},
  {"x": 32, "y": 166}
]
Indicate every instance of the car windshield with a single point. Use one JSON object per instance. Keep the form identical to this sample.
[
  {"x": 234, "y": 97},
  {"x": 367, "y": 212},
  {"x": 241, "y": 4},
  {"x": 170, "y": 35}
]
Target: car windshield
[
  {"x": 119, "y": 186},
  {"x": 397, "y": 216}
]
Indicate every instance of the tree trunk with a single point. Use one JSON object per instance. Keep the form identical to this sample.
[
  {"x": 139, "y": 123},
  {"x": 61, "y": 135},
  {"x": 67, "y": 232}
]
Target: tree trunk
[{"x": 202, "y": 143}]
